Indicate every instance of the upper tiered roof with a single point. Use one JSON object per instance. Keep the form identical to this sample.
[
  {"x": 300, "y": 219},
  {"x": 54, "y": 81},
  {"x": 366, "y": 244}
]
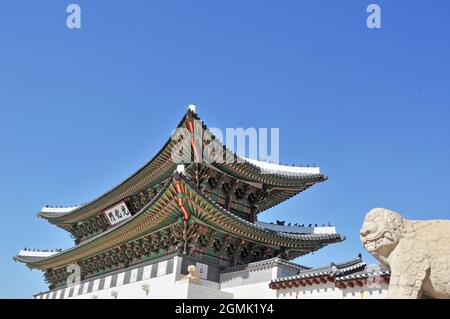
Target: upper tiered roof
[{"x": 283, "y": 181}]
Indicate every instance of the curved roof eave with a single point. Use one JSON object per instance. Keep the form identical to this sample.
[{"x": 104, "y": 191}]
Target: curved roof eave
[{"x": 55, "y": 214}]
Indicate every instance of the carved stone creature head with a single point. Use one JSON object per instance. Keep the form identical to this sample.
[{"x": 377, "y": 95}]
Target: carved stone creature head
[
  {"x": 193, "y": 272},
  {"x": 381, "y": 232}
]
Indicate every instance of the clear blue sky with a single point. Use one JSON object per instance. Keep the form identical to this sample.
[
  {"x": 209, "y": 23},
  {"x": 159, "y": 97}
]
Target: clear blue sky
[{"x": 82, "y": 109}]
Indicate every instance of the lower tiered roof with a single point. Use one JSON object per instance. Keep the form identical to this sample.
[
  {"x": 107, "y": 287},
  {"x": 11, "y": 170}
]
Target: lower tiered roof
[
  {"x": 282, "y": 181},
  {"x": 179, "y": 198}
]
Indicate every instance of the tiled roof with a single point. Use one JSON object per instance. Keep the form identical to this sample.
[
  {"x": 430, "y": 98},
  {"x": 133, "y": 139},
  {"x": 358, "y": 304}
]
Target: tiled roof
[
  {"x": 264, "y": 264},
  {"x": 287, "y": 170},
  {"x": 364, "y": 274},
  {"x": 333, "y": 270},
  {"x": 158, "y": 169},
  {"x": 276, "y": 238}
]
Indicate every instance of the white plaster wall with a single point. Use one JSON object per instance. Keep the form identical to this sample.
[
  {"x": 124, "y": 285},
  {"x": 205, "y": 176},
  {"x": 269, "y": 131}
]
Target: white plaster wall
[
  {"x": 247, "y": 277},
  {"x": 255, "y": 291},
  {"x": 204, "y": 292},
  {"x": 321, "y": 291},
  {"x": 162, "y": 287},
  {"x": 366, "y": 293},
  {"x": 239, "y": 285},
  {"x": 166, "y": 287}
]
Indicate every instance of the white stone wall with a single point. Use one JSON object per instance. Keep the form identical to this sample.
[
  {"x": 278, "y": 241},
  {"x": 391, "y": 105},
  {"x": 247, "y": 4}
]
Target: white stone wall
[
  {"x": 163, "y": 286},
  {"x": 162, "y": 280},
  {"x": 355, "y": 293},
  {"x": 245, "y": 277},
  {"x": 255, "y": 291},
  {"x": 125, "y": 284},
  {"x": 253, "y": 283},
  {"x": 173, "y": 287}
]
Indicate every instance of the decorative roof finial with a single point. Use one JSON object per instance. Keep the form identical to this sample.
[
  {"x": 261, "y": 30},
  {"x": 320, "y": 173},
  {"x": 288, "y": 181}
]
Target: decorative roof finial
[
  {"x": 191, "y": 107},
  {"x": 181, "y": 169}
]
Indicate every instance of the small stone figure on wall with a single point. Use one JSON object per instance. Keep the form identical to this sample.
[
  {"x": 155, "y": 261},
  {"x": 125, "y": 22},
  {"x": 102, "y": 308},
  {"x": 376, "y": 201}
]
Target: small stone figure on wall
[{"x": 193, "y": 276}]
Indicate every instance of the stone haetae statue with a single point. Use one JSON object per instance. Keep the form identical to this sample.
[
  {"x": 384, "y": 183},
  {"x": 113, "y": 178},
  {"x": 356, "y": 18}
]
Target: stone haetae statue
[
  {"x": 417, "y": 253},
  {"x": 193, "y": 276}
]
